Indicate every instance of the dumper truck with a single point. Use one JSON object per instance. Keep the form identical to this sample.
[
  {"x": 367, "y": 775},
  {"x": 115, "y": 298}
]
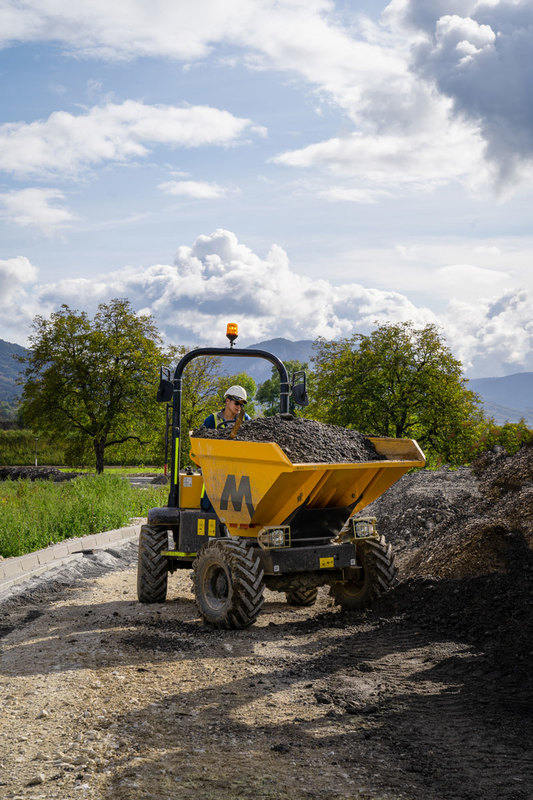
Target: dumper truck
[{"x": 273, "y": 523}]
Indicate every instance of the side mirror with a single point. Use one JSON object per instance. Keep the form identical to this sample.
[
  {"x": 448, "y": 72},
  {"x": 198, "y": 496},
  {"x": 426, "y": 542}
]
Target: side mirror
[
  {"x": 299, "y": 390},
  {"x": 165, "y": 391}
]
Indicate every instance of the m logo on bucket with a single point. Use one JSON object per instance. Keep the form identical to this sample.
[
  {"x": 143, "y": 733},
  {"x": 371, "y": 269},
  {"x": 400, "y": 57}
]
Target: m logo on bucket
[{"x": 237, "y": 495}]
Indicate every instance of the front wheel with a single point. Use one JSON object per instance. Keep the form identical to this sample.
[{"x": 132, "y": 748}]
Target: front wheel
[
  {"x": 378, "y": 573},
  {"x": 152, "y": 568},
  {"x": 228, "y": 584}
]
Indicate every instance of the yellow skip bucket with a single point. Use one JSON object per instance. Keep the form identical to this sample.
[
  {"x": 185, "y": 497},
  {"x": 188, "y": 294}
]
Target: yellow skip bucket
[{"x": 255, "y": 484}]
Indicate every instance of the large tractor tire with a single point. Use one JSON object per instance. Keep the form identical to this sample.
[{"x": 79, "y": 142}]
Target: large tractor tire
[
  {"x": 302, "y": 596},
  {"x": 152, "y": 568},
  {"x": 378, "y": 574},
  {"x": 228, "y": 583}
]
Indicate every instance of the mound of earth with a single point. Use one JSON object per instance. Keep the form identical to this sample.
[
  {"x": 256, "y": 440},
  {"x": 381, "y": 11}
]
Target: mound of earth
[
  {"x": 160, "y": 480},
  {"x": 479, "y": 534},
  {"x": 303, "y": 440},
  {"x": 36, "y": 474},
  {"x": 464, "y": 544}
]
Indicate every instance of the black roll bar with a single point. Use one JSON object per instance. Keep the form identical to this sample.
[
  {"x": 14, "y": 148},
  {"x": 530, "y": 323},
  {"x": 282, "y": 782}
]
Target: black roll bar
[{"x": 174, "y": 495}]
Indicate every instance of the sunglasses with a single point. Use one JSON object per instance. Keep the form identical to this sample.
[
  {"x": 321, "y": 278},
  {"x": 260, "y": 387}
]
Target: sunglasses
[{"x": 236, "y": 401}]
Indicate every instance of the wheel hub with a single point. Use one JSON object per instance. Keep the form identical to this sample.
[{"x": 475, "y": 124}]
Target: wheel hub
[
  {"x": 221, "y": 585},
  {"x": 217, "y": 586}
]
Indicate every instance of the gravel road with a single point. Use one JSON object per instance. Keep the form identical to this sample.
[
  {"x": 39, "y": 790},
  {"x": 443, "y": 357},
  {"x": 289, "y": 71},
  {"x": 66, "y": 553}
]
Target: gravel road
[{"x": 425, "y": 697}]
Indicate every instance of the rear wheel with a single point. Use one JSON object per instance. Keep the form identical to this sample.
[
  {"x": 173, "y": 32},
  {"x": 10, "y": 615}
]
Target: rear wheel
[
  {"x": 302, "y": 597},
  {"x": 152, "y": 568},
  {"x": 378, "y": 573},
  {"x": 228, "y": 584}
]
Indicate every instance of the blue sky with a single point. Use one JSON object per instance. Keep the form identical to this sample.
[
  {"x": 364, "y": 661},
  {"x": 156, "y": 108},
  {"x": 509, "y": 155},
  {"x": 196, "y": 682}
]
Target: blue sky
[{"x": 302, "y": 168}]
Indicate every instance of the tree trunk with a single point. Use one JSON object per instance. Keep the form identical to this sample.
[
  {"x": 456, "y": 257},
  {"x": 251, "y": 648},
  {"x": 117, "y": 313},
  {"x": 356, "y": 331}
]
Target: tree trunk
[{"x": 99, "y": 448}]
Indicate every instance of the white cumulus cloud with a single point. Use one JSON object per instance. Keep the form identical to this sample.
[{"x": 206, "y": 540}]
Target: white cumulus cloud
[
  {"x": 66, "y": 143},
  {"x": 423, "y": 160},
  {"x": 35, "y": 207},
  {"x": 480, "y": 55},
  {"x": 493, "y": 338},
  {"x": 18, "y": 306},
  {"x": 218, "y": 279},
  {"x": 14, "y": 272},
  {"x": 197, "y": 190}
]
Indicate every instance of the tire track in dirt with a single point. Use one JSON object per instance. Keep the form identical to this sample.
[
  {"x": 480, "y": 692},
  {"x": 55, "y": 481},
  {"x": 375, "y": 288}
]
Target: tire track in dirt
[{"x": 418, "y": 698}]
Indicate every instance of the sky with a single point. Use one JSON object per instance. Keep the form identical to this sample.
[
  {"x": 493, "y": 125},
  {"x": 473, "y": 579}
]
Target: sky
[{"x": 304, "y": 168}]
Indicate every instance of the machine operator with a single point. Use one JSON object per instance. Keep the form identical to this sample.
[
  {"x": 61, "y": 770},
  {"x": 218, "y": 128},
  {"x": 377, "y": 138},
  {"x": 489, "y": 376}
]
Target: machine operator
[{"x": 234, "y": 399}]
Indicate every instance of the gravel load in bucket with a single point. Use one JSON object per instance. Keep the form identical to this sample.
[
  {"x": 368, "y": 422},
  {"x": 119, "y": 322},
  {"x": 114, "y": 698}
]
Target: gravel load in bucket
[{"x": 303, "y": 440}]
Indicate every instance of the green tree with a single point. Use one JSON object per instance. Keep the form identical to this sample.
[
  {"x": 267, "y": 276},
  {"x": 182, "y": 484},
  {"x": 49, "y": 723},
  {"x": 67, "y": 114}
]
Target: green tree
[
  {"x": 399, "y": 381},
  {"x": 268, "y": 393},
  {"x": 200, "y": 385},
  {"x": 93, "y": 381},
  {"x": 511, "y": 436}
]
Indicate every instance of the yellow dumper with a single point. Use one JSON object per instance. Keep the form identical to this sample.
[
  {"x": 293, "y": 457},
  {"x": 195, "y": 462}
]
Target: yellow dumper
[{"x": 289, "y": 527}]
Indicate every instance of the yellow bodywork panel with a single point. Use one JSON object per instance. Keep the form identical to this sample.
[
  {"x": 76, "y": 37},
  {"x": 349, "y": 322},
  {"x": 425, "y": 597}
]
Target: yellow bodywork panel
[
  {"x": 255, "y": 483},
  {"x": 190, "y": 490}
]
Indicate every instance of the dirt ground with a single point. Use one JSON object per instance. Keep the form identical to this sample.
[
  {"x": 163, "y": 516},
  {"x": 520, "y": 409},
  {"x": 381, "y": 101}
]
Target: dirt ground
[{"x": 427, "y": 696}]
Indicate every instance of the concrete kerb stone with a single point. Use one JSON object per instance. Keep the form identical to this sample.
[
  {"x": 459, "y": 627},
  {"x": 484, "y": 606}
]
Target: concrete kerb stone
[{"x": 16, "y": 570}]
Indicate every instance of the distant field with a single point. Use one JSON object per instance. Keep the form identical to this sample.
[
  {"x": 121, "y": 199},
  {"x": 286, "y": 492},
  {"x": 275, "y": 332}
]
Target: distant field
[
  {"x": 21, "y": 448},
  {"x": 117, "y": 470}
]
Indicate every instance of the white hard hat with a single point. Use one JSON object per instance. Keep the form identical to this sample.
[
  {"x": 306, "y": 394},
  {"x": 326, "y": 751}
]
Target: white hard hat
[{"x": 238, "y": 392}]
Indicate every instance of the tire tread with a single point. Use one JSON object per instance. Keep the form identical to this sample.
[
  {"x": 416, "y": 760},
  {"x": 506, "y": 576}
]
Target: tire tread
[{"x": 152, "y": 567}]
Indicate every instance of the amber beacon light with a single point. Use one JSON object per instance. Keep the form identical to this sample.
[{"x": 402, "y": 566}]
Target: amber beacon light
[{"x": 232, "y": 331}]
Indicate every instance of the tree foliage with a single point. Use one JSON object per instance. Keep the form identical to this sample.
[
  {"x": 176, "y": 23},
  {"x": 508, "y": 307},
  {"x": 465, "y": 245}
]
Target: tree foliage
[
  {"x": 200, "y": 384},
  {"x": 511, "y": 436},
  {"x": 93, "y": 381},
  {"x": 399, "y": 381}
]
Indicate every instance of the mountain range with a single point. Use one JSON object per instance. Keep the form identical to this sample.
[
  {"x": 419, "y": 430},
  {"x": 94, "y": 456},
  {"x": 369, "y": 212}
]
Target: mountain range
[
  {"x": 506, "y": 399},
  {"x": 10, "y": 370}
]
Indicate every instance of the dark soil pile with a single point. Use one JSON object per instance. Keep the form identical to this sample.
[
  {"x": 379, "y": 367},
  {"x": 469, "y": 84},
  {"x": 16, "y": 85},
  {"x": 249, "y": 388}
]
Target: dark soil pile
[
  {"x": 464, "y": 542},
  {"x": 35, "y": 474},
  {"x": 303, "y": 440},
  {"x": 483, "y": 537},
  {"x": 459, "y": 523}
]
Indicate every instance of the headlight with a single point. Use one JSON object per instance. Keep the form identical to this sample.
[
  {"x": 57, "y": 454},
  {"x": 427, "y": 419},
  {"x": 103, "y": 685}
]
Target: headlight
[
  {"x": 364, "y": 527},
  {"x": 275, "y": 537}
]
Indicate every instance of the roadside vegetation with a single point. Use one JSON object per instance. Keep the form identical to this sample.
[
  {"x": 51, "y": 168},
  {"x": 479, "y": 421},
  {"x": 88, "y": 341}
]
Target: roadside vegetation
[{"x": 36, "y": 514}]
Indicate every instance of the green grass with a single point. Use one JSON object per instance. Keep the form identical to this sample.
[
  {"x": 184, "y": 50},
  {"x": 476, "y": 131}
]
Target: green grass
[{"x": 36, "y": 514}]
